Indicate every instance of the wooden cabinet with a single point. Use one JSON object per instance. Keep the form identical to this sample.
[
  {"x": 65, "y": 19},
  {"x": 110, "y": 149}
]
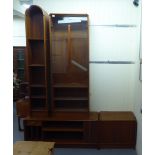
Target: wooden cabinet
[
  {"x": 117, "y": 130},
  {"x": 93, "y": 129},
  {"x": 67, "y": 130},
  {"x": 70, "y": 62},
  {"x": 37, "y": 41}
]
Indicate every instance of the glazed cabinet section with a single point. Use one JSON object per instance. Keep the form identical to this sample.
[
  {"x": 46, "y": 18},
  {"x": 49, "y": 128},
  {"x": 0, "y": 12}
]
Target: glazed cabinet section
[{"x": 69, "y": 42}]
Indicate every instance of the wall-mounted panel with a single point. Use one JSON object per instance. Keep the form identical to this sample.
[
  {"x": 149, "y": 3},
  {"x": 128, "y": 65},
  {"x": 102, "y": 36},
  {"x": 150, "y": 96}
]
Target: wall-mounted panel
[
  {"x": 111, "y": 87},
  {"x": 114, "y": 43}
]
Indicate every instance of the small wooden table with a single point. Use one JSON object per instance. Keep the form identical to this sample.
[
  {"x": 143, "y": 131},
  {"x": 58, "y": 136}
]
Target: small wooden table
[{"x": 33, "y": 148}]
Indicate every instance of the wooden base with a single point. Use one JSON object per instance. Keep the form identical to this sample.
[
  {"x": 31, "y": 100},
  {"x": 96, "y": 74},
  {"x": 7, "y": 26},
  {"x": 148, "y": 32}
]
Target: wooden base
[{"x": 87, "y": 130}]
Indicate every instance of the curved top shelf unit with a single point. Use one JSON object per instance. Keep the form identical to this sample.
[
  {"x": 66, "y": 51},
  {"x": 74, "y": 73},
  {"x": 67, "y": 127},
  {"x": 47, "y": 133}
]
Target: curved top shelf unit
[
  {"x": 36, "y": 19},
  {"x": 34, "y": 9}
]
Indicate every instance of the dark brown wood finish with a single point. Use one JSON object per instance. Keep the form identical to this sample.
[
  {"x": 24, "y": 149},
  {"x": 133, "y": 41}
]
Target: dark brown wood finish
[
  {"x": 22, "y": 110},
  {"x": 59, "y": 87},
  {"x": 37, "y": 40},
  {"x": 66, "y": 129},
  {"x": 117, "y": 130},
  {"x": 70, "y": 62}
]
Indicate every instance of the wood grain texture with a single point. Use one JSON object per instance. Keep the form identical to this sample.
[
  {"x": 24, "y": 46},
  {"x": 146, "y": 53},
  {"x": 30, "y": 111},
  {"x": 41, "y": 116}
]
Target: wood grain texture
[{"x": 35, "y": 148}]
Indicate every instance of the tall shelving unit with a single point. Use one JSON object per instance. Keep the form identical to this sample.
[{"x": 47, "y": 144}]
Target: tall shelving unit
[
  {"x": 59, "y": 86},
  {"x": 37, "y": 40},
  {"x": 70, "y": 62}
]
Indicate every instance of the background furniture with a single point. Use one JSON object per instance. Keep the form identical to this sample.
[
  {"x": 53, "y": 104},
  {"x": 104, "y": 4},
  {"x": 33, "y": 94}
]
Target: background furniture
[
  {"x": 22, "y": 110},
  {"x": 19, "y": 68}
]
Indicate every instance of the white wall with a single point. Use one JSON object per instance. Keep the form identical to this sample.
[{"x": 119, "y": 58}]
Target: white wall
[
  {"x": 137, "y": 111},
  {"x": 112, "y": 86},
  {"x": 19, "y": 38}
]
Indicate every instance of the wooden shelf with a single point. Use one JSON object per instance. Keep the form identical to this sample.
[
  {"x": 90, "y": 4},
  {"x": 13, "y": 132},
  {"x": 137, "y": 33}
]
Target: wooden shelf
[
  {"x": 70, "y": 85},
  {"x": 20, "y": 68},
  {"x": 37, "y": 65},
  {"x": 20, "y": 59},
  {"x": 36, "y": 39},
  {"x": 37, "y": 85},
  {"x": 71, "y": 98},
  {"x": 38, "y": 97},
  {"x": 38, "y": 59},
  {"x": 62, "y": 129},
  {"x": 71, "y": 109}
]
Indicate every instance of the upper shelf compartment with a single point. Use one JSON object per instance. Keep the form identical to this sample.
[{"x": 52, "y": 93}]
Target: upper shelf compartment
[{"x": 35, "y": 22}]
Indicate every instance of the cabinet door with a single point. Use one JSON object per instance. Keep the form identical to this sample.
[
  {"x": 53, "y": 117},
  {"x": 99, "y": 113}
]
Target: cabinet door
[
  {"x": 117, "y": 134},
  {"x": 70, "y": 62}
]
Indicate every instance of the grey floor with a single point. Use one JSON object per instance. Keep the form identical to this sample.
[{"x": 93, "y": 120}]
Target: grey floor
[{"x": 17, "y": 135}]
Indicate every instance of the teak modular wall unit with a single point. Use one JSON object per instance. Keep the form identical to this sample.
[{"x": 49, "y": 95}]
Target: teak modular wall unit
[
  {"x": 59, "y": 87},
  {"x": 70, "y": 62},
  {"x": 37, "y": 41}
]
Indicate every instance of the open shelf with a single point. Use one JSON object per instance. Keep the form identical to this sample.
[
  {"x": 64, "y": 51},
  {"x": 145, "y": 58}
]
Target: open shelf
[
  {"x": 36, "y": 54},
  {"x": 56, "y": 135},
  {"x": 71, "y": 92},
  {"x": 37, "y": 103},
  {"x": 35, "y": 91},
  {"x": 38, "y": 97},
  {"x": 35, "y": 23},
  {"x": 36, "y": 65},
  {"x": 71, "y": 104},
  {"x": 62, "y": 129},
  {"x": 66, "y": 109},
  {"x": 66, "y": 129},
  {"x": 37, "y": 85},
  {"x": 70, "y": 98},
  {"x": 34, "y": 132},
  {"x": 37, "y": 75},
  {"x": 70, "y": 85},
  {"x": 37, "y": 42},
  {"x": 62, "y": 124}
]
